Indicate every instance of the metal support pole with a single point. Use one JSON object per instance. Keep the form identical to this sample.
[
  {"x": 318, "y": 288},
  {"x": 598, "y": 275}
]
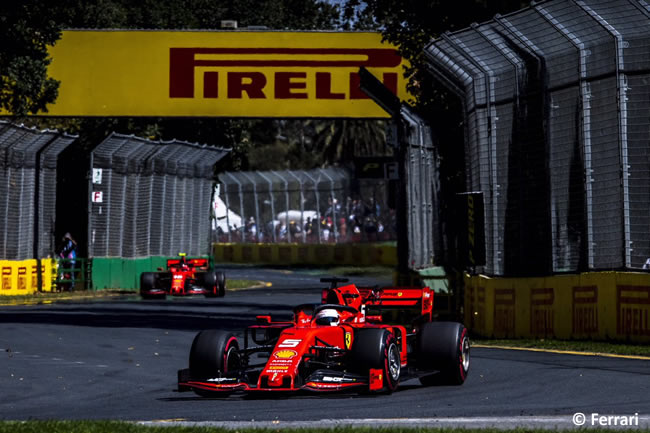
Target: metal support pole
[
  {"x": 241, "y": 206},
  {"x": 257, "y": 206},
  {"x": 336, "y": 234},
  {"x": 491, "y": 142},
  {"x": 314, "y": 182},
  {"x": 286, "y": 207},
  {"x": 621, "y": 95},
  {"x": 272, "y": 204},
  {"x": 302, "y": 207},
  {"x": 225, "y": 195},
  {"x": 585, "y": 96},
  {"x": 36, "y": 223}
]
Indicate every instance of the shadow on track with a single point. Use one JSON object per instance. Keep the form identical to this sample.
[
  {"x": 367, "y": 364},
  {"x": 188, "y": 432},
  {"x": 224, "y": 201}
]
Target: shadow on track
[{"x": 137, "y": 316}]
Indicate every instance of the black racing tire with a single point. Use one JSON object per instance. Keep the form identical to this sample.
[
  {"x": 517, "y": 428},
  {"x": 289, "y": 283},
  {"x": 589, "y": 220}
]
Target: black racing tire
[
  {"x": 214, "y": 353},
  {"x": 209, "y": 283},
  {"x": 214, "y": 283},
  {"x": 377, "y": 349},
  {"x": 148, "y": 282},
  {"x": 443, "y": 346},
  {"x": 221, "y": 284}
]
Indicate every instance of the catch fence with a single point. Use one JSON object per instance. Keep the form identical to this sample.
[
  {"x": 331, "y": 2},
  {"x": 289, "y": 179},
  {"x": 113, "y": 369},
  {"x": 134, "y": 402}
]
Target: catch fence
[
  {"x": 28, "y": 182},
  {"x": 309, "y": 206},
  {"x": 150, "y": 198},
  {"x": 556, "y": 109}
]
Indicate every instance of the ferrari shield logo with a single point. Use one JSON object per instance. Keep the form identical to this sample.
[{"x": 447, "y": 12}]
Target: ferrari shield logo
[{"x": 348, "y": 340}]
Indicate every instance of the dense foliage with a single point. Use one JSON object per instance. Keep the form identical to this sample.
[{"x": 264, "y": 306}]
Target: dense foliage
[
  {"x": 29, "y": 26},
  {"x": 26, "y": 29}
]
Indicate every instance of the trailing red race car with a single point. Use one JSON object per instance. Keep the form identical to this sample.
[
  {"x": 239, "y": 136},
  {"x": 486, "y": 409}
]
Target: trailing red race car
[
  {"x": 184, "y": 277},
  {"x": 358, "y": 338}
]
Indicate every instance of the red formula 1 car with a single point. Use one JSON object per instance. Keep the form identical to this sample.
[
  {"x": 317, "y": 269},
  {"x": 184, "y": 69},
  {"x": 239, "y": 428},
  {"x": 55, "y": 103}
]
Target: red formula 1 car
[
  {"x": 184, "y": 277},
  {"x": 358, "y": 338}
]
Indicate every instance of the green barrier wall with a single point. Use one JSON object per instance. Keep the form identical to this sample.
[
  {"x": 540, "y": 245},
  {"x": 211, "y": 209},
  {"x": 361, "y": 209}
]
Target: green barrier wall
[{"x": 118, "y": 273}]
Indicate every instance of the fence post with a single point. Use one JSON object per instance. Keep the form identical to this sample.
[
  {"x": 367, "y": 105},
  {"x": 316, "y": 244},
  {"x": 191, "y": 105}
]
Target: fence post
[
  {"x": 272, "y": 205},
  {"x": 317, "y": 203}
]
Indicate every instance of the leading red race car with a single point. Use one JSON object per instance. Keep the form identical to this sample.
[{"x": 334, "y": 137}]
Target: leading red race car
[
  {"x": 358, "y": 338},
  {"x": 184, "y": 277}
]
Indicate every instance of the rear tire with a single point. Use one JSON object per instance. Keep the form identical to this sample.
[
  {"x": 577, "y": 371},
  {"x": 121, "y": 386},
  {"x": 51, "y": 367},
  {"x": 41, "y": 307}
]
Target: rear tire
[
  {"x": 221, "y": 284},
  {"x": 444, "y": 346},
  {"x": 377, "y": 349},
  {"x": 214, "y": 283}
]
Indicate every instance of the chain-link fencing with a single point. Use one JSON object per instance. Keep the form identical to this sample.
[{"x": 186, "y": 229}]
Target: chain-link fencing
[
  {"x": 28, "y": 179},
  {"x": 150, "y": 198},
  {"x": 423, "y": 188},
  {"x": 310, "y": 206},
  {"x": 556, "y": 109}
]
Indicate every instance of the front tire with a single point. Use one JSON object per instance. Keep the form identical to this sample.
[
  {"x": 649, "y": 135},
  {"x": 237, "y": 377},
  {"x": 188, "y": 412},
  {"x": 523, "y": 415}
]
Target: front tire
[
  {"x": 377, "y": 349},
  {"x": 148, "y": 282},
  {"x": 214, "y": 353},
  {"x": 444, "y": 346}
]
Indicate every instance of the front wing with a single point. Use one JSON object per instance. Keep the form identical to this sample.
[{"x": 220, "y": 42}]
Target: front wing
[
  {"x": 319, "y": 381},
  {"x": 164, "y": 287}
]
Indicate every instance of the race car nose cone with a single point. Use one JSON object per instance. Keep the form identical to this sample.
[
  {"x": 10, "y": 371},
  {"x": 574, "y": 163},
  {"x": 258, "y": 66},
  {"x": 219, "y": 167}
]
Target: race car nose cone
[{"x": 276, "y": 380}]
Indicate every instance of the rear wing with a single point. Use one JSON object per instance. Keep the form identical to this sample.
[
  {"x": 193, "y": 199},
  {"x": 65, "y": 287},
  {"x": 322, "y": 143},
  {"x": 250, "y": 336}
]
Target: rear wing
[
  {"x": 394, "y": 304},
  {"x": 194, "y": 263}
]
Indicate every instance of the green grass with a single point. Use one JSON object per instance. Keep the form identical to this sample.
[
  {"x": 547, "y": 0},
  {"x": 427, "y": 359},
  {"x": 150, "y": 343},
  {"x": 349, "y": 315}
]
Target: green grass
[
  {"x": 574, "y": 346},
  {"x": 124, "y": 427},
  {"x": 242, "y": 284}
]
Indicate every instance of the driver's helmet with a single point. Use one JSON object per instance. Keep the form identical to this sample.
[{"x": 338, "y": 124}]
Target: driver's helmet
[{"x": 327, "y": 317}]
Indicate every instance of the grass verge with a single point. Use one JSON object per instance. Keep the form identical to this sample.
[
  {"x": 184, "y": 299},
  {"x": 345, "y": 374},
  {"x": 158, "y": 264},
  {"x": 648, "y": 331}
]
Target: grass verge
[
  {"x": 603, "y": 347},
  {"x": 125, "y": 427}
]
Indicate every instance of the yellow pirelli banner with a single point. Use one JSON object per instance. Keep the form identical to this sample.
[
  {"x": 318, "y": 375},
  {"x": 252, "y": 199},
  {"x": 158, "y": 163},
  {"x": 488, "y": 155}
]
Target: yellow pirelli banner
[
  {"x": 21, "y": 277},
  {"x": 598, "y": 305},
  {"x": 220, "y": 73}
]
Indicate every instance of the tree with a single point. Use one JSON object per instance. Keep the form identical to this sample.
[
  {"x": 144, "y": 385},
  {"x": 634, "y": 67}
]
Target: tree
[
  {"x": 27, "y": 27},
  {"x": 412, "y": 24},
  {"x": 23, "y": 62}
]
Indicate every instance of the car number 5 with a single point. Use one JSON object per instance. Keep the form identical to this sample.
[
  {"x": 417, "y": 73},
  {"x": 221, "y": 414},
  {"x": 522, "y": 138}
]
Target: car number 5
[{"x": 289, "y": 343}]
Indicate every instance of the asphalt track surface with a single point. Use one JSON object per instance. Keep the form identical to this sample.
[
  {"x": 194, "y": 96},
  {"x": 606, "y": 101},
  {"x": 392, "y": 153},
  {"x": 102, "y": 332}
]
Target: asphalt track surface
[{"x": 117, "y": 359}]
